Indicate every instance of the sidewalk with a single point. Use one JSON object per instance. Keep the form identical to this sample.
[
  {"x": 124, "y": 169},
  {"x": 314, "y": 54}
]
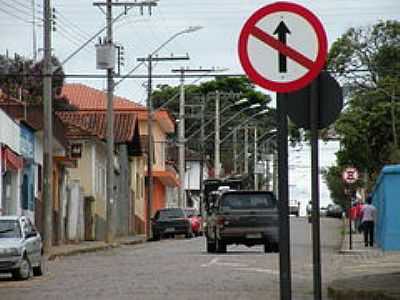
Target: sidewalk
[
  {"x": 85, "y": 247},
  {"x": 367, "y": 273}
]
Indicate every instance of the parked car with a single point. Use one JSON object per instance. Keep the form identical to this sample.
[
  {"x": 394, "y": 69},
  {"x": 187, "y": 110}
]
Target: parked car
[
  {"x": 171, "y": 222},
  {"x": 323, "y": 211},
  {"x": 243, "y": 217},
  {"x": 20, "y": 248},
  {"x": 294, "y": 207},
  {"x": 195, "y": 220},
  {"x": 334, "y": 211}
]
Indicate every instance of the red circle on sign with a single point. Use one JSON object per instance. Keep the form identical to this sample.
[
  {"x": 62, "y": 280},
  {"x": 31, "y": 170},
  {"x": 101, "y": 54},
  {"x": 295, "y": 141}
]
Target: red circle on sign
[
  {"x": 318, "y": 64},
  {"x": 350, "y": 175}
]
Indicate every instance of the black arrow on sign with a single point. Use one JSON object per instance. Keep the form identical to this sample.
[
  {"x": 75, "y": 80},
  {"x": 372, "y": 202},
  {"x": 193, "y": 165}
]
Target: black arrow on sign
[{"x": 282, "y": 30}]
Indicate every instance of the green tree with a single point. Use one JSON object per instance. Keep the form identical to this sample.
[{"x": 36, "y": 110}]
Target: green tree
[
  {"x": 367, "y": 61},
  {"x": 19, "y": 74},
  {"x": 233, "y": 88}
]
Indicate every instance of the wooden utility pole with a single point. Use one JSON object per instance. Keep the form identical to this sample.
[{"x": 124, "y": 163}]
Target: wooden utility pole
[
  {"x": 150, "y": 155},
  {"x": 48, "y": 132},
  {"x": 110, "y": 204}
]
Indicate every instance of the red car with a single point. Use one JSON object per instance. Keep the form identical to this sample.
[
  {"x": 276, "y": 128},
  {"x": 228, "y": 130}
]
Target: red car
[{"x": 195, "y": 221}]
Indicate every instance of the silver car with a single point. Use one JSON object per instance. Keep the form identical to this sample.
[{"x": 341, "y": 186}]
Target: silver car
[{"x": 20, "y": 247}]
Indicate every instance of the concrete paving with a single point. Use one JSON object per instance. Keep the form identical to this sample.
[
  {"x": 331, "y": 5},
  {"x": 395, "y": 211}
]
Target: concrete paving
[
  {"x": 92, "y": 246},
  {"x": 181, "y": 269},
  {"x": 366, "y": 273}
]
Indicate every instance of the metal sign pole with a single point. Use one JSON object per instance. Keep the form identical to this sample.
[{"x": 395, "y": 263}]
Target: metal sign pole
[
  {"x": 283, "y": 197},
  {"x": 314, "y": 120},
  {"x": 349, "y": 216}
]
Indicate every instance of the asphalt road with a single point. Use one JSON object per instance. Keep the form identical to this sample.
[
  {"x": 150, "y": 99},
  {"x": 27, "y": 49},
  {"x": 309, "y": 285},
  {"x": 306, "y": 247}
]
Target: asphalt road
[{"x": 181, "y": 269}]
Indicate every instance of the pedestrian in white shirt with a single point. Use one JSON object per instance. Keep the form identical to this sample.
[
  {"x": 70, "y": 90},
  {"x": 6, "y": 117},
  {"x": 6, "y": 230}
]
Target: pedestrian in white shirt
[{"x": 368, "y": 217}]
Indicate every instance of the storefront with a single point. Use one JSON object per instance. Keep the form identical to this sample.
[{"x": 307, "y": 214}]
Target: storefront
[
  {"x": 28, "y": 171},
  {"x": 10, "y": 165}
]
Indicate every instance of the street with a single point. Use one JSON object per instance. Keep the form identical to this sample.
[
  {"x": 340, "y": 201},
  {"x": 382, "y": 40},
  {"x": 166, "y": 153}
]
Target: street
[{"x": 181, "y": 269}]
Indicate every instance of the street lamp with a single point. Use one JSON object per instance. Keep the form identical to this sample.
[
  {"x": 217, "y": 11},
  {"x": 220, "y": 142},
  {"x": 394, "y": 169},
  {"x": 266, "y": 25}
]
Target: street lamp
[
  {"x": 253, "y": 106},
  {"x": 190, "y": 29},
  {"x": 239, "y": 102},
  {"x": 217, "y": 143},
  {"x": 262, "y": 112},
  {"x": 150, "y": 118}
]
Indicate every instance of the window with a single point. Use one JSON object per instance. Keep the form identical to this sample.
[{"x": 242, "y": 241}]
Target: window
[
  {"x": 25, "y": 192},
  {"x": 9, "y": 229},
  {"x": 40, "y": 178},
  {"x": 138, "y": 186},
  {"x": 171, "y": 213},
  {"x": 101, "y": 180},
  {"x": 233, "y": 201}
]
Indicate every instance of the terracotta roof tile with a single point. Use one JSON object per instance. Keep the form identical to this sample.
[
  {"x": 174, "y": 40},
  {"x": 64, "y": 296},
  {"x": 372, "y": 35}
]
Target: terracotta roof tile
[
  {"x": 88, "y": 98},
  {"x": 95, "y": 124}
]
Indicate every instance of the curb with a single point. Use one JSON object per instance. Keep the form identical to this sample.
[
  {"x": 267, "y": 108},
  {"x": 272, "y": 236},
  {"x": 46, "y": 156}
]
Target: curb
[
  {"x": 337, "y": 293},
  {"x": 96, "y": 248}
]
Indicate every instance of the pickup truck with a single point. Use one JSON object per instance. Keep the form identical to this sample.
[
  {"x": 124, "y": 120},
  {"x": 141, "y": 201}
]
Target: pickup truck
[
  {"x": 294, "y": 207},
  {"x": 243, "y": 217}
]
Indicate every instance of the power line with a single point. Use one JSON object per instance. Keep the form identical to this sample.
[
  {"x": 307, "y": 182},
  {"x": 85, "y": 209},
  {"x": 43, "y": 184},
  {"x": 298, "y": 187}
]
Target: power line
[
  {"x": 68, "y": 23},
  {"x": 15, "y": 16},
  {"x": 23, "y": 5},
  {"x": 16, "y": 9},
  {"x": 73, "y": 40}
]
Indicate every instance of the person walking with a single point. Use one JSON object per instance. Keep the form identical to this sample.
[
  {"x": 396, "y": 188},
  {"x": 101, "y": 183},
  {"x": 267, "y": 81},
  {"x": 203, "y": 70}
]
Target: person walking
[
  {"x": 368, "y": 216},
  {"x": 358, "y": 221}
]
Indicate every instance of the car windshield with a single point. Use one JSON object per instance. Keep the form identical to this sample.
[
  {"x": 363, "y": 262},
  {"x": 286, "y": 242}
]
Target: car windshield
[
  {"x": 172, "y": 213},
  {"x": 9, "y": 229},
  {"x": 190, "y": 212},
  {"x": 247, "y": 201}
]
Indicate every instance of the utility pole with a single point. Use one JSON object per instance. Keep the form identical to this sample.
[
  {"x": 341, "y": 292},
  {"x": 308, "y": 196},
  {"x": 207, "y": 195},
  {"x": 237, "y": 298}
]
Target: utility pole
[
  {"x": 267, "y": 173},
  {"x": 235, "y": 166},
  {"x": 110, "y": 133},
  {"x": 34, "y": 38},
  {"x": 275, "y": 187},
  {"x": 246, "y": 150},
  {"x": 48, "y": 132},
  {"x": 181, "y": 132},
  {"x": 217, "y": 163},
  {"x": 203, "y": 103},
  {"x": 109, "y": 47},
  {"x": 150, "y": 119},
  {"x": 255, "y": 160},
  {"x": 181, "y": 142}
]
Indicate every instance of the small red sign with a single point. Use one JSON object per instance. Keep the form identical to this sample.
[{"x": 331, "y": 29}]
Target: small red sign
[
  {"x": 290, "y": 61},
  {"x": 350, "y": 175}
]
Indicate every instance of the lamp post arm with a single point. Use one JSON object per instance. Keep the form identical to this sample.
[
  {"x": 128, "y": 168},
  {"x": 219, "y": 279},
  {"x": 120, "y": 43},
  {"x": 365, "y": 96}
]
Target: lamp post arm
[
  {"x": 208, "y": 123},
  {"x": 152, "y": 54},
  {"x": 227, "y": 121},
  {"x": 240, "y": 125},
  {"x": 260, "y": 139}
]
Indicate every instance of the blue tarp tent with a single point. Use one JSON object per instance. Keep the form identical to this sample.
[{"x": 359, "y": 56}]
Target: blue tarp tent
[{"x": 386, "y": 198}]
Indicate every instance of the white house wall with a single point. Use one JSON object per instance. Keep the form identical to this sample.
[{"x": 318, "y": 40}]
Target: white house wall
[
  {"x": 10, "y": 136},
  {"x": 9, "y": 132},
  {"x": 192, "y": 176}
]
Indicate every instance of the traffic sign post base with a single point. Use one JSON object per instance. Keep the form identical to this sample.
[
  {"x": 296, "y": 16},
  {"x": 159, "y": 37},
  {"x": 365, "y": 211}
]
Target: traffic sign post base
[
  {"x": 283, "y": 196},
  {"x": 316, "y": 237}
]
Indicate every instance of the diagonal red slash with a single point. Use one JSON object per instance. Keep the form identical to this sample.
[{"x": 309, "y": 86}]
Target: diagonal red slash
[{"x": 282, "y": 48}]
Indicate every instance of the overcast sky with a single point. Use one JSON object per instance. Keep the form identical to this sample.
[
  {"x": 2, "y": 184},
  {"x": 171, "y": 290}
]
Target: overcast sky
[{"x": 213, "y": 46}]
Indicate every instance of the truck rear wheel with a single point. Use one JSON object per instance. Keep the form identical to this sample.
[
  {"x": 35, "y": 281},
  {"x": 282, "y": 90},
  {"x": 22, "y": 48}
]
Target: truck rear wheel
[
  {"x": 210, "y": 246},
  {"x": 221, "y": 246},
  {"x": 275, "y": 247}
]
